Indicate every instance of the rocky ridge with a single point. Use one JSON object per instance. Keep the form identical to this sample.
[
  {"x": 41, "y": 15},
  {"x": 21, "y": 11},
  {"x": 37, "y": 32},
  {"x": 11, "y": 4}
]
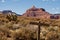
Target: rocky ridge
[{"x": 40, "y": 13}]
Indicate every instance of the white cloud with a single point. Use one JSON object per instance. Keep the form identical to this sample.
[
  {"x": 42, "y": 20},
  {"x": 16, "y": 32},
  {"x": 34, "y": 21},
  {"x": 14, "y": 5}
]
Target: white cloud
[
  {"x": 57, "y": 12},
  {"x": 15, "y": 0},
  {"x": 49, "y": 0},
  {"x": 3, "y": 1},
  {"x": 45, "y": 0},
  {"x": 53, "y": 0},
  {"x": 55, "y": 8}
]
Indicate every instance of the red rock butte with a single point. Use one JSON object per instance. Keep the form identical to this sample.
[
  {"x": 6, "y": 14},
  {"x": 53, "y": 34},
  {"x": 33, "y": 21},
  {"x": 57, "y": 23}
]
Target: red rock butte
[{"x": 39, "y": 13}]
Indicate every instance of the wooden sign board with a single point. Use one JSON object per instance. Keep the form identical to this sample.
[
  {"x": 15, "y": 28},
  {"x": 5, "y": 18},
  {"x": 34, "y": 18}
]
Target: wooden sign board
[{"x": 39, "y": 23}]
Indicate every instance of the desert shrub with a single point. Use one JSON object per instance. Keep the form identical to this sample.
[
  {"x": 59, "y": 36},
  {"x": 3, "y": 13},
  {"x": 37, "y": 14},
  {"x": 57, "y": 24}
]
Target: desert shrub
[
  {"x": 27, "y": 33},
  {"x": 52, "y": 36},
  {"x": 4, "y": 32},
  {"x": 9, "y": 25},
  {"x": 24, "y": 33},
  {"x": 11, "y": 17}
]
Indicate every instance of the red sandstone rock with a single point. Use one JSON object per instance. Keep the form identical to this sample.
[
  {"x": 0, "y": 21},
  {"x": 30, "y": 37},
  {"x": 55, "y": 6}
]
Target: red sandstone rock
[{"x": 36, "y": 12}]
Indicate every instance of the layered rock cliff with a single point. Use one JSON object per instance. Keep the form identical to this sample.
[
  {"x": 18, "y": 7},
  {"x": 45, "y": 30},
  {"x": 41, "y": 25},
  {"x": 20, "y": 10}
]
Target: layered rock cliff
[
  {"x": 40, "y": 13},
  {"x": 36, "y": 12}
]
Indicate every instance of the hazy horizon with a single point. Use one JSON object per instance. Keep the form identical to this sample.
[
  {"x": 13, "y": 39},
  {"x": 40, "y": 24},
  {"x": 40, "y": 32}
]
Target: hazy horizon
[{"x": 20, "y": 6}]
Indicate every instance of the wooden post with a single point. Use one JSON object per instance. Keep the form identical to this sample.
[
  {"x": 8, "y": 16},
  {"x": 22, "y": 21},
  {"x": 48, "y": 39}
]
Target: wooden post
[
  {"x": 39, "y": 24},
  {"x": 35, "y": 23},
  {"x": 38, "y": 31}
]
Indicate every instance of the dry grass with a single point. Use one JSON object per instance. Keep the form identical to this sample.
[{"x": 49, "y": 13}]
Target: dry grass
[{"x": 22, "y": 30}]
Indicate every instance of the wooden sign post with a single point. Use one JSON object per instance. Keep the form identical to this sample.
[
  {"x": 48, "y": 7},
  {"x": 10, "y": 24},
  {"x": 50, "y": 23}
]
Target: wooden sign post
[{"x": 39, "y": 24}]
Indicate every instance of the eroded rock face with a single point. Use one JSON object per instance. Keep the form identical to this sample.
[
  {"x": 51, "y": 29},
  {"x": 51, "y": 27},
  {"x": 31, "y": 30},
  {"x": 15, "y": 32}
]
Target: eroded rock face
[
  {"x": 55, "y": 16},
  {"x": 40, "y": 13},
  {"x": 7, "y": 12},
  {"x": 36, "y": 12}
]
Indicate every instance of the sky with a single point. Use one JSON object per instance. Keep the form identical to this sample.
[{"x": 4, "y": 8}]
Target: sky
[{"x": 20, "y": 6}]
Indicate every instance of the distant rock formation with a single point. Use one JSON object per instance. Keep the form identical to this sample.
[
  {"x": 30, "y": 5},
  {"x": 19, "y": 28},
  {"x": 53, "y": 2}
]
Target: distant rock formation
[
  {"x": 40, "y": 13},
  {"x": 8, "y": 12},
  {"x": 37, "y": 12},
  {"x": 32, "y": 12},
  {"x": 55, "y": 16}
]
